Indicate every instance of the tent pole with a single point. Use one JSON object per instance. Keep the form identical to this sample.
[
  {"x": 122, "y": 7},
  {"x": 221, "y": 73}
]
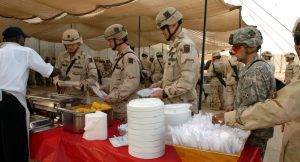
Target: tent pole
[
  {"x": 139, "y": 39},
  {"x": 240, "y": 16},
  {"x": 202, "y": 57}
]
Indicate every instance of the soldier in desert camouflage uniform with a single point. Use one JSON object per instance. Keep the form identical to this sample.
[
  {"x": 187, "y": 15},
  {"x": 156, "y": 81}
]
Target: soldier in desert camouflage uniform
[
  {"x": 125, "y": 78},
  {"x": 181, "y": 71},
  {"x": 267, "y": 55},
  {"x": 216, "y": 72},
  {"x": 232, "y": 71},
  {"x": 292, "y": 68},
  {"x": 76, "y": 65},
  {"x": 157, "y": 68}
]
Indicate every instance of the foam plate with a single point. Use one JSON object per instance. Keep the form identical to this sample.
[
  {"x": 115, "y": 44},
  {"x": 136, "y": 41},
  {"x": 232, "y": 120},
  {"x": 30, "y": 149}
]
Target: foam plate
[{"x": 134, "y": 153}]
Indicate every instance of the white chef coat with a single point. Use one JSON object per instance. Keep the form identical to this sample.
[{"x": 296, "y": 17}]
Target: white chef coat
[{"x": 15, "y": 62}]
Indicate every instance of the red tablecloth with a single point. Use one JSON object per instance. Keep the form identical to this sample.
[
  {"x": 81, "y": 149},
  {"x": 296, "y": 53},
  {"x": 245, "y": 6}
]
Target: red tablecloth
[{"x": 57, "y": 145}]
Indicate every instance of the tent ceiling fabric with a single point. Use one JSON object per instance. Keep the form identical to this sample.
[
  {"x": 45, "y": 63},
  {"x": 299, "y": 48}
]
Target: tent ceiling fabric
[{"x": 91, "y": 17}]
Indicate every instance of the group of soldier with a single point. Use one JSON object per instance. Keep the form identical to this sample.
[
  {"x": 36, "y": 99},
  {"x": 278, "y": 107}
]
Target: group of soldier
[
  {"x": 223, "y": 75},
  {"x": 257, "y": 107},
  {"x": 176, "y": 75},
  {"x": 252, "y": 102},
  {"x": 153, "y": 68},
  {"x": 246, "y": 77}
]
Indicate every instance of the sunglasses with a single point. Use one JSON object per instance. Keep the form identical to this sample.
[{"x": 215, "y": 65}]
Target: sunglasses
[{"x": 236, "y": 48}]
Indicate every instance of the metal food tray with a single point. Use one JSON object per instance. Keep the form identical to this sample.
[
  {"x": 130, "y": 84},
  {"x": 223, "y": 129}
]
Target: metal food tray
[
  {"x": 39, "y": 123},
  {"x": 51, "y": 101},
  {"x": 73, "y": 121}
]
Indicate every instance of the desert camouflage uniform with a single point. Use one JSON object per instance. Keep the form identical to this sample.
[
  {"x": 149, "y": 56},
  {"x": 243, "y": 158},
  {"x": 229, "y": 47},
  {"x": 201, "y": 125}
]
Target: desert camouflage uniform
[
  {"x": 291, "y": 72},
  {"x": 231, "y": 82},
  {"x": 157, "y": 70},
  {"x": 181, "y": 72},
  {"x": 125, "y": 81},
  {"x": 83, "y": 70},
  {"x": 216, "y": 87}
]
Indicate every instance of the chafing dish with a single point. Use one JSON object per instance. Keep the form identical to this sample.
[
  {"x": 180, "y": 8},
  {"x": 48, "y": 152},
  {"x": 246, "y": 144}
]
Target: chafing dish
[
  {"x": 75, "y": 121},
  {"x": 46, "y": 104},
  {"x": 39, "y": 123}
]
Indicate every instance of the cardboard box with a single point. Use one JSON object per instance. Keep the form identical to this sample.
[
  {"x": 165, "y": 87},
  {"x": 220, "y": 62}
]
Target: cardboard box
[{"x": 188, "y": 154}]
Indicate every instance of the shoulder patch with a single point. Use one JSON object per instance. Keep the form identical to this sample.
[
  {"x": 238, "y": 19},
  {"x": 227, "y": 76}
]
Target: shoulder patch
[
  {"x": 130, "y": 60},
  {"x": 186, "y": 48}
]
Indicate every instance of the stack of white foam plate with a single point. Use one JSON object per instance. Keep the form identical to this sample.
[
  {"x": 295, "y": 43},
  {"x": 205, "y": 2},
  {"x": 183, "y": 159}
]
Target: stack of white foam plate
[
  {"x": 146, "y": 128},
  {"x": 176, "y": 114}
]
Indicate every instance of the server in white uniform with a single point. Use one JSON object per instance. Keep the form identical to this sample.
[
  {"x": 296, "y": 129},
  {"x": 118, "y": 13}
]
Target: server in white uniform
[{"x": 15, "y": 62}]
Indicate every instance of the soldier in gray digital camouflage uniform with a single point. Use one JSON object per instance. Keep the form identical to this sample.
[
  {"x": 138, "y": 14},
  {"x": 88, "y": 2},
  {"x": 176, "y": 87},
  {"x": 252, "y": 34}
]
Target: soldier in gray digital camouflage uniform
[{"x": 256, "y": 81}]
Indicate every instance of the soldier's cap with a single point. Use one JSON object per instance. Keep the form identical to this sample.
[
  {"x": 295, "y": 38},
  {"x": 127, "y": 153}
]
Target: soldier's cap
[
  {"x": 11, "y": 32},
  {"x": 267, "y": 53},
  {"x": 290, "y": 55},
  {"x": 116, "y": 31},
  {"x": 168, "y": 16},
  {"x": 216, "y": 54},
  {"x": 249, "y": 36},
  {"x": 71, "y": 36}
]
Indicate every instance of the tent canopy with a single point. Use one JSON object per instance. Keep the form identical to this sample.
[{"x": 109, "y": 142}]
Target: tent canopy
[{"x": 47, "y": 19}]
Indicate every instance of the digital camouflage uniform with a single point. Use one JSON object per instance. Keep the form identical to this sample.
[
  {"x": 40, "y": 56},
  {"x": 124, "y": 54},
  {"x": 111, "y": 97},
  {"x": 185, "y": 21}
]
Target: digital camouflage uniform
[
  {"x": 256, "y": 83},
  {"x": 181, "y": 71},
  {"x": 284, "y": 108},
  {"x": 125, "y": 79},
  {"x": 216, "y": 87},
  {"x": 231, "y": 82}
]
